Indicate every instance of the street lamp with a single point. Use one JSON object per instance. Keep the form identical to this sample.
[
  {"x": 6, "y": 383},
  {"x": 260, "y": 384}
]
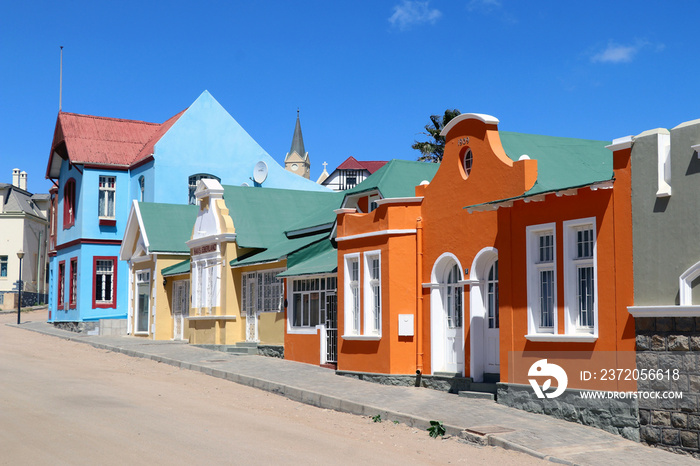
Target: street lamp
[{"x": 20, "y": 254}]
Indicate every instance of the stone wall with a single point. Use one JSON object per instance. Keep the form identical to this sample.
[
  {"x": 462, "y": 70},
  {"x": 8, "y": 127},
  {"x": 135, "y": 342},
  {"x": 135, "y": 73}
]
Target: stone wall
[
  {"x": 617, "y": 416},
  {"x": 670, "y": 343}
]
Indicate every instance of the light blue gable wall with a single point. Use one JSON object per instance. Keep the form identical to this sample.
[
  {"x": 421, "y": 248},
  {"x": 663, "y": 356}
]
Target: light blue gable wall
[
  {"x": 206, "y": 139},
  {"x": 90, "y": 199},
  {"x": 74, "y": 232},
  {"x": 145, "y": 170}
]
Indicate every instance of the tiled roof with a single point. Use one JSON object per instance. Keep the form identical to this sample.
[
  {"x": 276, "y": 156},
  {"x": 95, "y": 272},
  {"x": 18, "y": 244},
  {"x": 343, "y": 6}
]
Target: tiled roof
[
  {"x": 168, "y": 226},
  {"x": 87, "y": 139},
  {"x": 351, "y": 163},
  {"x": 262, "y": 215},
  {"x": 398, "y": 178}
]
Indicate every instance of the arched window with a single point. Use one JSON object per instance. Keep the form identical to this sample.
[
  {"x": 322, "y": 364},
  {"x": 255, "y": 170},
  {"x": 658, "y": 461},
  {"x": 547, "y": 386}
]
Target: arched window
[
  {"x": 453, "y": 302},
  {"x": 142, "y": 188},
  {"x": 69, "y": 204},
  {"x": 467, "y": 162},
  {"x": 492, "y": 296},
  {"x": 193, "y": 185}
]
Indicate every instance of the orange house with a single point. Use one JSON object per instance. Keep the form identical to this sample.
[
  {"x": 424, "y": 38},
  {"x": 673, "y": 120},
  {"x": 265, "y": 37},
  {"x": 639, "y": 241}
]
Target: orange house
[{"x": 520, "y": 248}]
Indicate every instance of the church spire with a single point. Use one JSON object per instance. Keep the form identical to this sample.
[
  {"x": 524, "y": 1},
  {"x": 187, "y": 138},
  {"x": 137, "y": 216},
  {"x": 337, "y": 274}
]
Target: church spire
[
  {"x": 297, "y": 159},
  {"x": 297, "y": 139}
]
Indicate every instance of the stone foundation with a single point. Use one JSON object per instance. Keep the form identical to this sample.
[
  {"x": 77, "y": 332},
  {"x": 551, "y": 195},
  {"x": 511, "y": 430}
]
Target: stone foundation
[
  {"x": 617, "y": 416},
  {"x": 444, "y": 384},
  {"x": 271, "y": 351},
  {"x": 670, "y": 346}
]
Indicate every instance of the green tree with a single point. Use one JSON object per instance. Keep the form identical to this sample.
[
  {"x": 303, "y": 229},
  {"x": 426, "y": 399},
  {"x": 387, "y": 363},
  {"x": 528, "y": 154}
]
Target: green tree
[{"x": 432, "y": 150}]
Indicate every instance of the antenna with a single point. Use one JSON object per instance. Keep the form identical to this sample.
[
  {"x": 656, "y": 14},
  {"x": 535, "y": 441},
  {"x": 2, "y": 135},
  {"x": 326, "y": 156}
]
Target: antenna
[{"x": 60, "y": 83}]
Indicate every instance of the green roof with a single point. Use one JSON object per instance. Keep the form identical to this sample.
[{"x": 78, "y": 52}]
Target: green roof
[
  {"x": 276, "y": 251},
  {"x": 397, "y": 178},
  {"x": 318, "y": 258},
  {"x": 177, "y": 269},
  {"x": 562, "y": 163},
  {"x": 168, "y": 226},
  {"x": 262, "y": 215}
]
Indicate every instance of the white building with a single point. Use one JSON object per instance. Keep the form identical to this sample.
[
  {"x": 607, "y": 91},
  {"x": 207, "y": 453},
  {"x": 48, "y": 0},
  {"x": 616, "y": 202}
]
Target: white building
[{"x": 24, "y": 225}]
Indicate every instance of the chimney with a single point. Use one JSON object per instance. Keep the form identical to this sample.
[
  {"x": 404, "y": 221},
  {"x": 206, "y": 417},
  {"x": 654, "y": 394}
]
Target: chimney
[
  {"x": 23, "y": 180},
  {"x": 15, "y": 177}
]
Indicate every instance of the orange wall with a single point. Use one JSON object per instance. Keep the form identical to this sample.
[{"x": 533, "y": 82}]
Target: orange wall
[{"x": 391, "y": 354}]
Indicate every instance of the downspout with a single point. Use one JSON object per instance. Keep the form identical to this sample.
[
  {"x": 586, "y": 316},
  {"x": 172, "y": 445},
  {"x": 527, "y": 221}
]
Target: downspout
[{"x": 419, "y": 296}]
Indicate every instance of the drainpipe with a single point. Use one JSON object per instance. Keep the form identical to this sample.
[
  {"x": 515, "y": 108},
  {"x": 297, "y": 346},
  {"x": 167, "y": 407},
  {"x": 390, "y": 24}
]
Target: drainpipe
[{"x": 419, "y": 296}]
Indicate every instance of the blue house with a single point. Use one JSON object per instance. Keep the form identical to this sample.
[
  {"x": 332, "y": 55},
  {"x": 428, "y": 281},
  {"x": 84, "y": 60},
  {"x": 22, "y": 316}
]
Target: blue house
[{"x": 100, "y": 165}]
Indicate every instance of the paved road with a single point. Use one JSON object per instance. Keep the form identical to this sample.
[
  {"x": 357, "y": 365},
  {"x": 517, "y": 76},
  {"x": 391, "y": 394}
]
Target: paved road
[{"x": 63, "y": 402}]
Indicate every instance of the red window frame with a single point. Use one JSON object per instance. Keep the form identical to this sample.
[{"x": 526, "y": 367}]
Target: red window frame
[
  {"x": 95, "y": 304},
  {"x": 61, "y": 283},
  {"x": 69, "y": 204},
  {"x": 73, "y": 282}
]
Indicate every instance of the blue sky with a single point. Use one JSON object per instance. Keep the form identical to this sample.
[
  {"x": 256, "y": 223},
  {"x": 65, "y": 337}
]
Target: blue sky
[{"x": 365, "y": 75}]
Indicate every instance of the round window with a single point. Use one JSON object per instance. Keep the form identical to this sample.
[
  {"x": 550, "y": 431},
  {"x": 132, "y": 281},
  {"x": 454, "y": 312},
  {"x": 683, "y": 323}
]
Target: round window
[{"x": 467, "y": 162}]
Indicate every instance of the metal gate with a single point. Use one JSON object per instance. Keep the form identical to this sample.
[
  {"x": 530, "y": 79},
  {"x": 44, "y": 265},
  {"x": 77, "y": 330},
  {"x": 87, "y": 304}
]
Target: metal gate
[{"x": 331, "y": 328}]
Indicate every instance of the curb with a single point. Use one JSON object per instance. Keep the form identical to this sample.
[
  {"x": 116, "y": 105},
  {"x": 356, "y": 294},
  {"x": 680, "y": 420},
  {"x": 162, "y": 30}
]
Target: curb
[{"x": 309, "y": 397}]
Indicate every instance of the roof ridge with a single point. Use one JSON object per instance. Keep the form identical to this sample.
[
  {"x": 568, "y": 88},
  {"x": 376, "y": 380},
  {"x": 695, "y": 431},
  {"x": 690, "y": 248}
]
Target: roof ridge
[{"x": 97, "y": 117}]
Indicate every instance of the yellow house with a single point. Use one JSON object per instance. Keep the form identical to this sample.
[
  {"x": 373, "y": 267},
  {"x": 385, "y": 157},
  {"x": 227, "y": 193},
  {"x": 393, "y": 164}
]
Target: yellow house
[{"x": 155, "y": 240}]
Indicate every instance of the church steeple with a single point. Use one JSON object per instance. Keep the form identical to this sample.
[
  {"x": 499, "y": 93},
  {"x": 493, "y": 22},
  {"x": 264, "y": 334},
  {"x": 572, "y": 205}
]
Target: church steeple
[{"x": 297, "y": 159}]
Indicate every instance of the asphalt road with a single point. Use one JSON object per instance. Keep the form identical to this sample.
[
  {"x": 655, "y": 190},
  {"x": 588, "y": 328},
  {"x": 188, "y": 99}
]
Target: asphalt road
[{"x": 66, "y": 403}]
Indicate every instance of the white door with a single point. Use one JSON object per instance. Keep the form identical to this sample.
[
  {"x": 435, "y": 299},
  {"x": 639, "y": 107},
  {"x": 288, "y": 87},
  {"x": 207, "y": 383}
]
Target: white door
[
  {"x": 181, "y": 307},
  {"x": 491, "y": 324},
  {"x": 250, "y": 297},
  {"x": 454, "y": 335}
]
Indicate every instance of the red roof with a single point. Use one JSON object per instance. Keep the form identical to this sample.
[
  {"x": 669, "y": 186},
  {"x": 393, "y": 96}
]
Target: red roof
[
  {"x": 87, "y": 139},
  {"x": 353, "y": 164}
]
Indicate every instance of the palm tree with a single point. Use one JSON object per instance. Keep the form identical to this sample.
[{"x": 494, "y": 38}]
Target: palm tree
[{"x": 432, "y": 150}]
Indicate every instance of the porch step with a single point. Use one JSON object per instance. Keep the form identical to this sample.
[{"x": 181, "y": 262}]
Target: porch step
[
  {"x": 243, "y": 347},
  {"x": 447, "y": 374},
  {"x": 483, "y": 387},
  {"x": 477, "y": 395},
  {"x": 492, "y": 378}
]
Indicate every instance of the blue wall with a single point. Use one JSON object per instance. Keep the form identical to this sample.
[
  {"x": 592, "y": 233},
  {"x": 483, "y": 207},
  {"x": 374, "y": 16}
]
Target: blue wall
[{"x": 206, "y": 139}]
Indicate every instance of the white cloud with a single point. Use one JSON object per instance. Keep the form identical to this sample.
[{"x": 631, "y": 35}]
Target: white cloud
[
  {"x": 412, "y": 12},
  {"x": 616, "y": 53}
]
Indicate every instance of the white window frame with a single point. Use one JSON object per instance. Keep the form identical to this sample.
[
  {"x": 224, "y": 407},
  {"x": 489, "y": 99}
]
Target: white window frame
[
  {"x": 572, "y": 263},
  {"x": 534, "y": 268},
  {"x": 142, "y": 276},
  {"x": 330, "y": 288},
  {"x": 104, "y": 191},
  {"x": 269, "y": 291},
  {"x": 3, "y": 262},
  {"x": 103, "y": 286},
  {"x": 372, "y": 295},
  {"x": 352, "y": 301}
]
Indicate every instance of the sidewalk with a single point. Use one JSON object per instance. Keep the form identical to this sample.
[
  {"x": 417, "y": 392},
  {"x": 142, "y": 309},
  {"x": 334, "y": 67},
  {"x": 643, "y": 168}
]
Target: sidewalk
[{"x": 538, "y": 435}]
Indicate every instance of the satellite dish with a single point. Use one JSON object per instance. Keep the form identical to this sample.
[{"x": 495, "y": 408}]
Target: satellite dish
[{"x": 260, "y": 172}]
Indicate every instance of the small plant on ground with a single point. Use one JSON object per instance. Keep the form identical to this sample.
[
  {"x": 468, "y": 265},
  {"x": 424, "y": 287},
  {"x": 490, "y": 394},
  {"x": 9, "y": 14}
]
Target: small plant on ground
[
  {"x": 377, "y": 418},
  {"x": 436, "y": 429},
  {"x": 396, "y": 422}
]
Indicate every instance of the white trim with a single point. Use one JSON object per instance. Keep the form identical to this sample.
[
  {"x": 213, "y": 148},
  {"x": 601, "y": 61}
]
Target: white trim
[
  {"x": 408, "y": 231},
  {"x": 218, "y": 238},
  {"x": 301, "y": 330},
  {"x": 696, "y": 148},
  {"x": 400, "y": 200},
  {"x": 664, "y": 311},
  {"x": 570, "y": 278},
  {"x": 470, "y": 281},
  {"x": 477, "y": 311},
  {"x": 562, "y": 338},
  {"x": 431, "y": 285},
  {"x": 345, "y": 210},
  {"x": 532, "y": 232},
  {"x": 488, "y": 119},
  {"x": 362, "y": 337},
  {"x": 621, "y": 143},
  {"x": 684, "y": 284},
  {"x": 139, "y": 259},
  {"x": 210, "y": 317},
  {"x": 348, "y": 305},
  {"x": 368, "y": 302},
  {"x": 664, "y": 165}
]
